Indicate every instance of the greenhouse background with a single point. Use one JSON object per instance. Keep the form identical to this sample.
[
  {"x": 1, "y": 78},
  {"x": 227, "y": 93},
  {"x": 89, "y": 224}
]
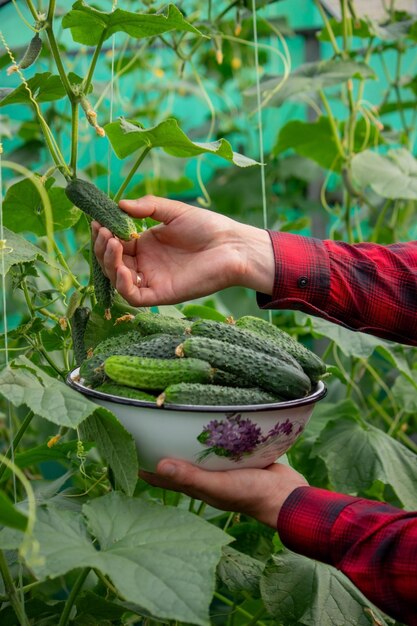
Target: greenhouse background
[{"x": 294, "y": 115}]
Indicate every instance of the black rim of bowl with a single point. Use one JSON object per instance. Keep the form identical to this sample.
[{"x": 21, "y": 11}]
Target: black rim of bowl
[{"x": 319, "y": 391}]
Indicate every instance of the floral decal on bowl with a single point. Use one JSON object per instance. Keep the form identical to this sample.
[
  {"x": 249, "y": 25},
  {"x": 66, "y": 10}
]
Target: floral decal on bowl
[{"x": 235, "y": 437}]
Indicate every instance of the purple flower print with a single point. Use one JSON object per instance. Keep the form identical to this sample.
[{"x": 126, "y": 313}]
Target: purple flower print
[
  {"x": 282, "y": 428},
  {"x": 232, "y": 437}
]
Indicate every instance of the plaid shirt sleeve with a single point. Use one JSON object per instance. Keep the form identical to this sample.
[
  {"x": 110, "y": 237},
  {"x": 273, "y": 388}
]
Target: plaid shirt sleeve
[
  {"x": 373, "y": 543},
  {"x": 364, "y": 286}
]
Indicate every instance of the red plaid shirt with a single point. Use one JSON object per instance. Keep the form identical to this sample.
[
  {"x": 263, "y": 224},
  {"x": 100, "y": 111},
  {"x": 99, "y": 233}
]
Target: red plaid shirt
[{"x": 373, "y": 289}]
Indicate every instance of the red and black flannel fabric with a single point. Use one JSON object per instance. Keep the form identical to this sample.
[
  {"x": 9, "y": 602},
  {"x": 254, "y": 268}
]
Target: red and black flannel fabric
[
  {"x": 373, "y": 289},
  {"x": 373, "y": 543},
  {"x": 365, "y": 286}
]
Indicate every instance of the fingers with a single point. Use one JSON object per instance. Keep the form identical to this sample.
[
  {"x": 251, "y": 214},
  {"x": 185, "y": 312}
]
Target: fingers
[
  {"x": 160, "y": 209},
  {"x": 185, "y": 477}
]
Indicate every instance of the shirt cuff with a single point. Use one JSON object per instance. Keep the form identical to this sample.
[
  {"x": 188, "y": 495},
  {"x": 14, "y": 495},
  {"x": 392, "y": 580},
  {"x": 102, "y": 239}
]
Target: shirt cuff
[
  {"x": 306, "y": 520},
  {"x": 302, "y": 274}
]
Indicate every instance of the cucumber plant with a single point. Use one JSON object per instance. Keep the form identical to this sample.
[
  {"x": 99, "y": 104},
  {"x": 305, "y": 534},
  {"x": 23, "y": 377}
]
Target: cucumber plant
[{"x": 120, "y": 101}]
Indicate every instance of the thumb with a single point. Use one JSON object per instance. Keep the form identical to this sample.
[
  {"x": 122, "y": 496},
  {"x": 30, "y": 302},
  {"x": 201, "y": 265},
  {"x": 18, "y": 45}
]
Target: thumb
[{"x": 160, "y": 209}]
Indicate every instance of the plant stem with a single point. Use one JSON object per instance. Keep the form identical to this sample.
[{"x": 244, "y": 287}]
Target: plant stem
[
  {"x": 239, "y": 609},
  {"x": 64, "y": 264},
  {"x": 333, "y": 124},
  {"x": 32, "y": 9},
  {"x": 74, "y": 137},
  {"x": 131, "y": 173},
  {"x": 409, "y": 443},
  {"x": 73, "y": 596},
  {"x": 97, "y": 51},
  {"x": 329, "y": 29},
  {"x": 16, "y": 441},
  {"x": 58, "y": 61},
  {"x": 12, "y": 591}
]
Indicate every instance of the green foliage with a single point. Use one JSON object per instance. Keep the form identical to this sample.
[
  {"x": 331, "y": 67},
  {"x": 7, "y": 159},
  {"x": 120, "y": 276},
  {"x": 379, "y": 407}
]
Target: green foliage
[{"x": 170, "y": 90}]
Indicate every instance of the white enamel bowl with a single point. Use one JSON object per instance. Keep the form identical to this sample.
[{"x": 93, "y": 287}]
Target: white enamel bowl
[{"x": 213, "y": 437}]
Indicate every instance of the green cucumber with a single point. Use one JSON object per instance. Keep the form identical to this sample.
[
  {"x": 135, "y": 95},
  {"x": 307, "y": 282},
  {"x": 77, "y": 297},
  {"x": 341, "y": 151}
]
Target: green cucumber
[
  {"x": 312, "y": 364},
  {"x": 226, "y": 379},
  {"x": 262, "y": 370},
  {"x": 151, "y": 323},
  {"x": 103, "y": 289},
  {"x": 111, "y": 345},
  {"x": 149, "y": 373},
  {"x": 125, "y": 392},
  {"x": 32, "y": 52},
  {"x": 129, "y": 344},
  {"x": 202, "y": 312},
  {"x": 239, "y": 337},
  {"x": 92, "y": 201},
  {"x": 79, "y": 321},
  {"x": 92, "y": 371},
  {"x": 197, "y": 394}
]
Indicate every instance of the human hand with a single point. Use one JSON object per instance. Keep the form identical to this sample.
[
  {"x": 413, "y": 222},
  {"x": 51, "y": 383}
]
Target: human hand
[
  {"x": 193, "y": 252},
  {"x": 259, "y": 493}
]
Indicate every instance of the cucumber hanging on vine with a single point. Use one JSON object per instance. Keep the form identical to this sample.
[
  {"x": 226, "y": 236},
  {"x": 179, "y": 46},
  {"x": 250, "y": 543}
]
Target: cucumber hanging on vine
[
  {"x": 103, "y": 288},
  {"x": 31, "y": 54},
  {"x": 79, "y": 321},
  {"x": 96, "y": 204}
]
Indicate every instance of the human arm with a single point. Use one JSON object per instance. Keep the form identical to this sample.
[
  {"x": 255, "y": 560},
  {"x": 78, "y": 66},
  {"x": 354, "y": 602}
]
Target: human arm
[
  {"x": 194, "y": 252},
  {"x": 191, "y": 253},
  {"x": 367, "y": 287},
  {"x": 373, "y": 543}
]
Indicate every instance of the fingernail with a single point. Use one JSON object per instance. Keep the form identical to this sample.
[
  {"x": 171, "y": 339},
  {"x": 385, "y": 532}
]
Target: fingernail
[{"x": 167, "y": 469}]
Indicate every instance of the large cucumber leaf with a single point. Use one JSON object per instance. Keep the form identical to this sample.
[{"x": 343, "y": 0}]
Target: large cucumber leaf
[
  {"x": 358, "y": 455},
  {"x": 127, "y": 136},
  {"x": 89, "y": 25},
  {"x": 299, "y": 591},
  {"x": 159, "y": 558}
]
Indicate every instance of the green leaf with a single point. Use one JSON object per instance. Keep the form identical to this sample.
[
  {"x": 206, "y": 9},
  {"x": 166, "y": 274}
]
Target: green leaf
[
  {"x": 90, "y": 26},
  {"x": 315, "y": 140},
  {"x": 127, "y": 136},
  {"x": 405, "y": 393},
  {"x": 25, "y": 384},
  {"x": 18, "y": 250},
  {"x": 24, "y": 212},
  {"x": 357, "y": 454},
  {"x": 392, "y": 176},
  {"x": 299, "y": 591},
  {"x": 159, "y": 558},
  {"x": 352, "y": 343},
  {"x": 240, "y": 572},
  {"x": 309, "y": 78},
  {"x": 10, "y": 516},
  {"x": 44, "y": 88},
  {"x": 116, "y": 446}
]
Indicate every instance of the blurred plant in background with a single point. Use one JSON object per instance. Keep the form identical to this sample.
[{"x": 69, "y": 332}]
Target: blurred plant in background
[{"x": 326, "y": 106}]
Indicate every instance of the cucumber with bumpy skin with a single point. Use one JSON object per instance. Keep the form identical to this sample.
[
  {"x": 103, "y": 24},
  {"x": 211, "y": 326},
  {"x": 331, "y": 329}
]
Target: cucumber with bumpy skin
[
  {"x": 153, "y": 346},
  {"x": 312, "y": 364},
  {"x": 125, "y": 392},
  {"x": 92, "y": 201},
  {"x": 148, "y": 373},
  {"x": 32, "y": 52},
  {"x": 79, "y": 321},
  {"x": 92, "y": 371},
  {"x": 239, "y": 337},
  {"x": 263, "y": 370},
  {"x": 196, "y": 394},
  {"x": 151, "y": 323},
  {"x": 103, "y": 289}
]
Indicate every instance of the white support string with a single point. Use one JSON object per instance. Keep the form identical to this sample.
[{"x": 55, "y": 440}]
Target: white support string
[
  {"x": 3, "y": 251},
  {"x": 260, "y": 126},
  {"x": 109, "y": 152}
]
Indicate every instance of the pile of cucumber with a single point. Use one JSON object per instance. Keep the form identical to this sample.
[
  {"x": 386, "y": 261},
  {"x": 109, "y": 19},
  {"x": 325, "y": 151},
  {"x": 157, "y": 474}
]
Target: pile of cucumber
[{"x": 168, "y": 360}]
